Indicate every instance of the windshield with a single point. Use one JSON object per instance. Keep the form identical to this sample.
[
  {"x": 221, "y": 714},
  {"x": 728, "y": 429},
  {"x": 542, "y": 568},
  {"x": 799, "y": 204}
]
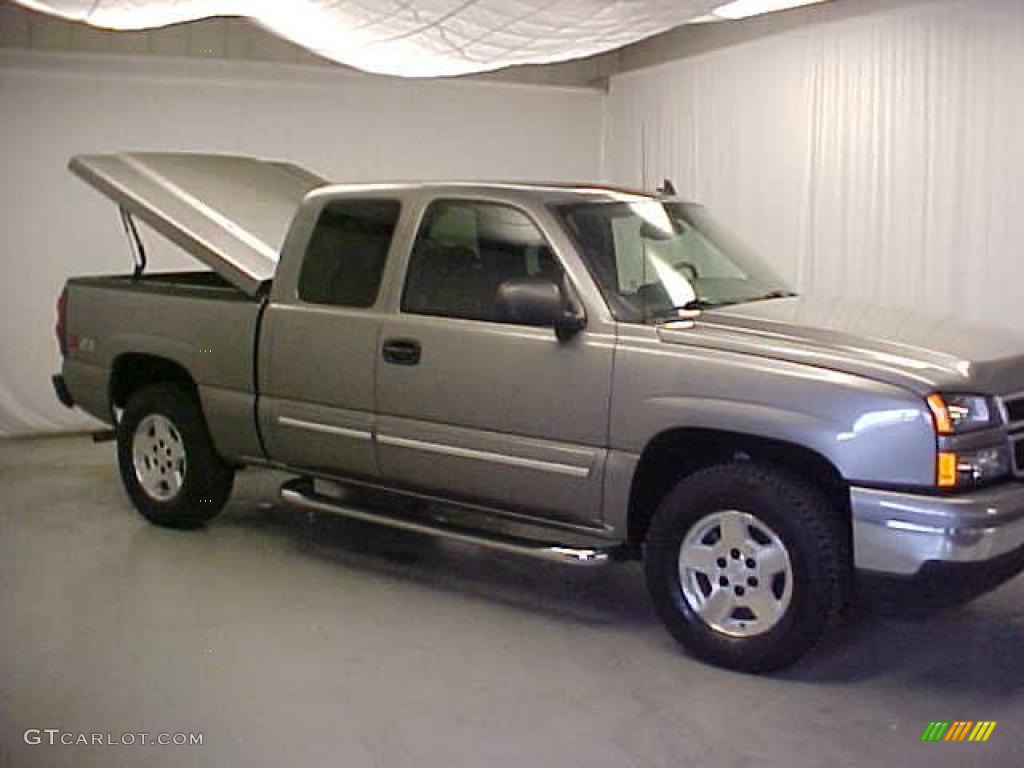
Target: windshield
[{"x": 653, "y": 259}]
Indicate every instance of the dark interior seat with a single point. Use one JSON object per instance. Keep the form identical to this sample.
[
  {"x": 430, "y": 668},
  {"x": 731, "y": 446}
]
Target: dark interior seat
[
  {"x": 452, "y": 280},
  {"x": 343, "y": 268}
]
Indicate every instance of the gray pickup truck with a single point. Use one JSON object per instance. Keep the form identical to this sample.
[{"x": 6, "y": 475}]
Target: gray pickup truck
[{"x": 576, "y": 373}]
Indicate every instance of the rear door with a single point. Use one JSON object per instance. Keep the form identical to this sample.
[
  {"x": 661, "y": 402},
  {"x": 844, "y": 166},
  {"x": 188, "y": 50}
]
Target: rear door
[
  {"x": 492, "y": 412},
  {"x": 319, "y": 337}
]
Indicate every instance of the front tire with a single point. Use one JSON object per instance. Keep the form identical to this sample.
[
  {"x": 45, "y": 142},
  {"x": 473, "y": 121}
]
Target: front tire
[
  {"x": 168, "y": 464},
  {"x": 747, "y": 565}
]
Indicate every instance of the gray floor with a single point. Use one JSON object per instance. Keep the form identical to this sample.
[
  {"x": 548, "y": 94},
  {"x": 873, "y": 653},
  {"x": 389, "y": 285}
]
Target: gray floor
[{"x": 287, "y": 639}]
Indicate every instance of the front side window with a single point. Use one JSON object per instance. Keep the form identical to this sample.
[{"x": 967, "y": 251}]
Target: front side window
[
  {"x": 464, "y": 251},
  {"x": 652, "y": 259},
  {"x": 347, "y": 252}
]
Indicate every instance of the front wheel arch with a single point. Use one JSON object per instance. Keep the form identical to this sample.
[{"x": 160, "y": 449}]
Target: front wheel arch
[{"x": 677, "y": 453}]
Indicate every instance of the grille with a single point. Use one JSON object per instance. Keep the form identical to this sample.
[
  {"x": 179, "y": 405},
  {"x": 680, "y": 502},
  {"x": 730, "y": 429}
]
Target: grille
[{"x": 1015, "y": 409}]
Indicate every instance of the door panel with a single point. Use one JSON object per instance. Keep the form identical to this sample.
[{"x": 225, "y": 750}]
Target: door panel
[
  {"x": 495, "y": 412},
  {"x": 501, "y": 414},
  {"x": 318, "y": 342},
  {"x": 317, "y": 398}
]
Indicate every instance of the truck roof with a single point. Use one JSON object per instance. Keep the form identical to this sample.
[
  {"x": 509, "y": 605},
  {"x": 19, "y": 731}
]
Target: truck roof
[{"x": 546, "y": 192}]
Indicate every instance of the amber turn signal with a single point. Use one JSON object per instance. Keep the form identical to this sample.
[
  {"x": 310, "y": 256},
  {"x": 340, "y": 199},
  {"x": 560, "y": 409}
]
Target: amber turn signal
[
  {"x": 943, "y": 423},
  {"x": 947, "y": 469}
]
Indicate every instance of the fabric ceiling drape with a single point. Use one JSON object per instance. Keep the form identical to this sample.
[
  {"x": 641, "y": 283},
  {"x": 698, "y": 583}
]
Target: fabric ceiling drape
[{"x": 415, "y": 38}]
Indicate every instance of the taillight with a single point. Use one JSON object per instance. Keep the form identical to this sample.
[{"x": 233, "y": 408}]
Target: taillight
[{"x": 62, "y": 321}]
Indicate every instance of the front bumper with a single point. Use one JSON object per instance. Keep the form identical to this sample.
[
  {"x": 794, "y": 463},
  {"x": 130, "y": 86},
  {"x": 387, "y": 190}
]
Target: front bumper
[{"x": 899, "y": 533}]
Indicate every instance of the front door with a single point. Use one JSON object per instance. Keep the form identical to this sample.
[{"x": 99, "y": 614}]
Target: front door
[{"x": 489, "y": 411}]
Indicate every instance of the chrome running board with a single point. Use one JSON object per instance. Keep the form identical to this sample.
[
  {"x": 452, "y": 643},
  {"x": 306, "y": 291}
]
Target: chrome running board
[{"x": 300, "y": 493}]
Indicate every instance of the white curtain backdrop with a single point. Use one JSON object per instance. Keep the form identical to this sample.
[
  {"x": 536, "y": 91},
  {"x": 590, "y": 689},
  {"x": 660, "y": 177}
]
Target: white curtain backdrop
[
  {"x": 875, "y": 158},
  {"x": 347, "y": 127}
]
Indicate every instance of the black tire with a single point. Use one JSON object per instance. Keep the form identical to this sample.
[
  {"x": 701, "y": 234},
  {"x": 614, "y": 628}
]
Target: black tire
[
  {"x": 206, "y": 480},
  {"x": 800, "y": 516}
]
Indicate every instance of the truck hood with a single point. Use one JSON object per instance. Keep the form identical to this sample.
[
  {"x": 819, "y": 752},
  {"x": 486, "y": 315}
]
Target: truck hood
[
  {"x": 910, "y": 349},
  {"x": 231, "y": 213}
]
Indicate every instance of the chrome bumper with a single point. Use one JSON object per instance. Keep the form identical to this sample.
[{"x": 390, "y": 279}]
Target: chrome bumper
[{"x": 899, "y": 532}]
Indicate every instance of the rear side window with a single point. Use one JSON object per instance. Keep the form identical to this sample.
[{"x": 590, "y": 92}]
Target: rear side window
[
  {"x": 346, "y": 254},
  {"x": 464, "y": 251}
]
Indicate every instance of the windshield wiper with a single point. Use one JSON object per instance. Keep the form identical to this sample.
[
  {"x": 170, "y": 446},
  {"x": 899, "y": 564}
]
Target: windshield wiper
[
  {"x": 669, "y": 314},
  {"x": 772, "y": 295}
]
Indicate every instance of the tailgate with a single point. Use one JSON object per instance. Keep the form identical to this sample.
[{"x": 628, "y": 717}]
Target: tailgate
[{"x": 231, "y": 213}]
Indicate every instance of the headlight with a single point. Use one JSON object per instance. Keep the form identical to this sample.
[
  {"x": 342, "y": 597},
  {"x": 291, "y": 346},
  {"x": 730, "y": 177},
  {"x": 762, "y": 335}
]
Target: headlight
[
  {"x": 964, "y": 469},
  {"x": 957, "y": 414}
]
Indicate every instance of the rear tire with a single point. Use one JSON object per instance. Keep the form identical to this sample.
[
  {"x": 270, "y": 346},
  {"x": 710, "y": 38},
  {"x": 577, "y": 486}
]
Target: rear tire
[
  {"x": 748, "y": 565},
  {"x": 168, "y": 464}
]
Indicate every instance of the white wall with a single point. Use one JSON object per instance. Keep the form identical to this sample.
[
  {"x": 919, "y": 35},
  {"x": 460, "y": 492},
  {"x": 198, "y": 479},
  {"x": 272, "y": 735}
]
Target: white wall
[
  {"x": 347, "y": 127},
  {"x": 877, "y": 157}
]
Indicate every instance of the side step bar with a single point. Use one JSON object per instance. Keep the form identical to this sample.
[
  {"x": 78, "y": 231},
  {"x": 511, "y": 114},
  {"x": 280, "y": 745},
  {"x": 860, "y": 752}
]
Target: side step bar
[{"x": 300, "y": 493}]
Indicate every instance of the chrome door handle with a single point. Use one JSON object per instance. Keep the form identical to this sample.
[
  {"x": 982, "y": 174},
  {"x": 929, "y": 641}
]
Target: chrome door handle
[{"x": 401, "y": 351}]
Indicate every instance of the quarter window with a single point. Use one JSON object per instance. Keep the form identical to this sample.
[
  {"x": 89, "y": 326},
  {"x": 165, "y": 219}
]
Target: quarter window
[
  {"x": 465, "y": 250},
  {"x": 346, "y": 254}
]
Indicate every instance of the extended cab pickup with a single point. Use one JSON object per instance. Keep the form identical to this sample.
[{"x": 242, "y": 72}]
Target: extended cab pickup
[{"x": 581, "y": 374}]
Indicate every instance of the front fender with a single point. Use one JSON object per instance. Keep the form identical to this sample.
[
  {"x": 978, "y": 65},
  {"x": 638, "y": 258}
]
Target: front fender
[
  {"x": 871, "y": 431},
  {"x": 888, "y": 443}
]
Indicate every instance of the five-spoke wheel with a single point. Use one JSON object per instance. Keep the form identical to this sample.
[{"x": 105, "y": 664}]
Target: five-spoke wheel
[
  {"x": 736, "y": 573},
  {"x": 168, "y": 463},
  {"x": 158, "y": 454},
  {"x": 748, "y": 564}
]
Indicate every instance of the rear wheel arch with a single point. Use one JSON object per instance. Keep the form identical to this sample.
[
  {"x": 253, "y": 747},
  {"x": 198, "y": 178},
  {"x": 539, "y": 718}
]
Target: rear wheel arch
[
  {"x": 674, "y": 454},
  {"x": 132, "y": 371}
]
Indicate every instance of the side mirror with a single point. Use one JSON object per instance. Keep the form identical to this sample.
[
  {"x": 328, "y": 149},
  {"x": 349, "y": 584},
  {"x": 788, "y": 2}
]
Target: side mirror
[{"x": 538, "y": 301}]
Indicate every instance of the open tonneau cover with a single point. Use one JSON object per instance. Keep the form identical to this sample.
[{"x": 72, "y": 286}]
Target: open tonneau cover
[{"x": 231, "y": 213}]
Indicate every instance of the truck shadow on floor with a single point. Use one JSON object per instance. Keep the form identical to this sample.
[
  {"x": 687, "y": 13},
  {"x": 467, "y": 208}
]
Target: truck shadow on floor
[
  {"x": 601, "y": 596},
  {"x": 972, "y": 649}
]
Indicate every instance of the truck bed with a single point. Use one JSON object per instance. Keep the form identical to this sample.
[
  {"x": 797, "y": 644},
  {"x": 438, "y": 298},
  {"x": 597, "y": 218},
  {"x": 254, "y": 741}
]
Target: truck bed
[
  {"x": 197, "y": 320},
  {"x": 198, "y": 283}
]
